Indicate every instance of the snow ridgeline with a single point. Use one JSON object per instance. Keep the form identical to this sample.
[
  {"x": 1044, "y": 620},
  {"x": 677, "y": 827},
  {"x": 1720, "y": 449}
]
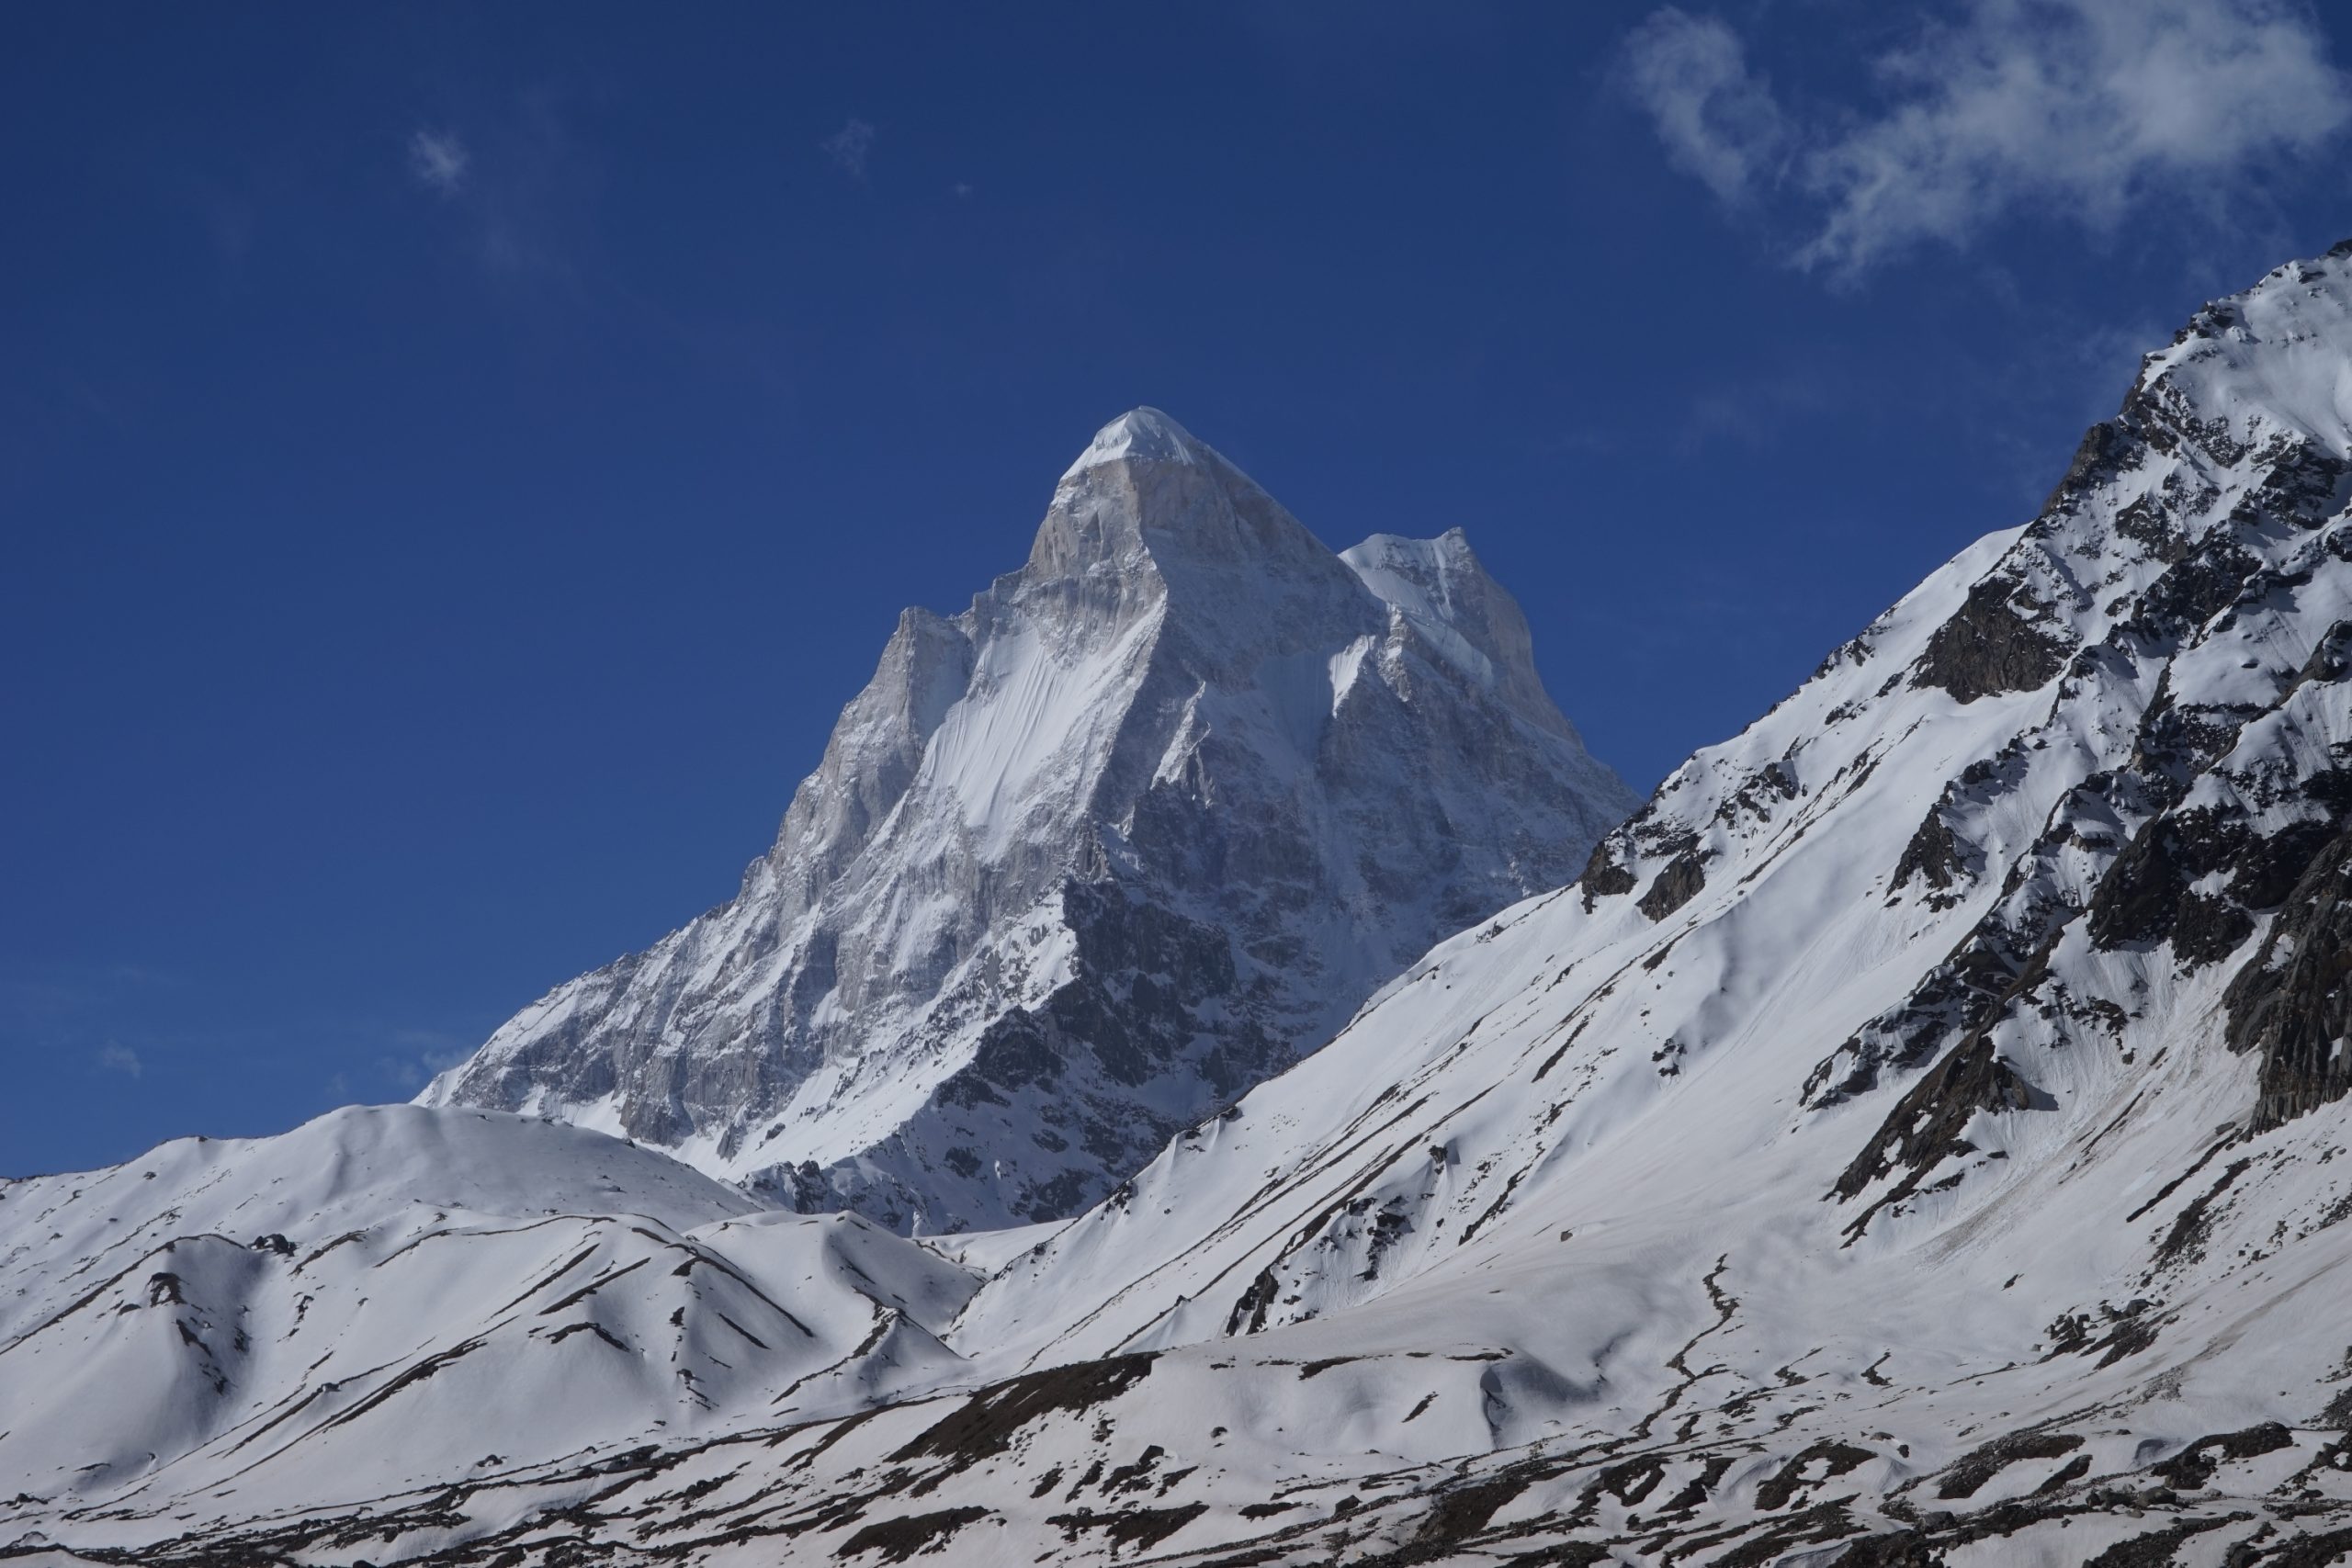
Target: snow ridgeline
[
  {"x": 1917, "y": 1136},
  {"x": 1086, "y": 861}
]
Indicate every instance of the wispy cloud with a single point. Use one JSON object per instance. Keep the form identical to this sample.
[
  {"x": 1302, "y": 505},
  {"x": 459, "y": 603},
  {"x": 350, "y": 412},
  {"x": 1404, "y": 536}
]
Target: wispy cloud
[
  {"x": 423, "y": 1055},
  {"x": 438, "y": 161},
  {"x": 517, "y": 189},
  {"x": 116, "y": 1057},
  {"x": 850, "y": 147},
  {"x": 1717, "y": 121},
  {"x": 2083, "y": 108}
]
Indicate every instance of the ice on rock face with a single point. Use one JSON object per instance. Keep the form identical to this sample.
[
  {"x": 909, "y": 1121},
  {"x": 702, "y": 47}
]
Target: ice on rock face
[
  {"x": 1146, "y": 821},
  {"x": 1440, "y": 588}
]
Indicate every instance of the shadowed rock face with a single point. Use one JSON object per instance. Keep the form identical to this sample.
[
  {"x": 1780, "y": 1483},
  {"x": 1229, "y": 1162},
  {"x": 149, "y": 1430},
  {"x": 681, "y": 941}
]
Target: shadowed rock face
[
  {"x": 2293, "y": 1000},
  {"x": 1991, "y": 647},
  {"x": 1087, "y": 861}
]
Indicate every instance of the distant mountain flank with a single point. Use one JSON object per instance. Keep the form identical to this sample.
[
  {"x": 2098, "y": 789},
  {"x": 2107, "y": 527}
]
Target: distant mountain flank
[{"x": 1092, "y": 859}]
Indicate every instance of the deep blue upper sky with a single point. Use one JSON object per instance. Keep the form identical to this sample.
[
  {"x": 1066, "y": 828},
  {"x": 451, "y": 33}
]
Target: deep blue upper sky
[{"x": 454, "y": 462}]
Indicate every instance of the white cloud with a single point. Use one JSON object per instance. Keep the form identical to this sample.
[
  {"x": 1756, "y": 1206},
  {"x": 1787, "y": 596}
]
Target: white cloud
[
  {"x": 114, "y": 1057},
  {"x": 849, "y": 147},
  {"x": 439, "y": 1052},
  {"x": 2085, "y": 108},
  {"x": 1719, "y": 123},
  {"x": 439, "y": 161}
]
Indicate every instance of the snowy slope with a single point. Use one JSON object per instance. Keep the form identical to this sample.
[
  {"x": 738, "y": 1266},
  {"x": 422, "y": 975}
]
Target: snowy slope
[
  {"x": 1087, "y": 861},
  {"x": 1918, "y": 1137},
  {"x": 393, "y": 1297}
]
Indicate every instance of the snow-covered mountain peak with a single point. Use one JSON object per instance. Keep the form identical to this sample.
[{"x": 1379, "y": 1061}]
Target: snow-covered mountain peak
[
  {"x": 1440, "y": 588},
  {"x": 1140, "y": 434},
  {"x": 2270, "y": 361},
  {"x": 1086, "y": 861},
  {"x": 1150, "y": 511}
]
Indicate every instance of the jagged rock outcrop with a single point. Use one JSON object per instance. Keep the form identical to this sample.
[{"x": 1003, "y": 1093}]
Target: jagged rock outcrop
[
  {"x": 2292, "y": 1001},
  {"x": 1087, "y": 861}
]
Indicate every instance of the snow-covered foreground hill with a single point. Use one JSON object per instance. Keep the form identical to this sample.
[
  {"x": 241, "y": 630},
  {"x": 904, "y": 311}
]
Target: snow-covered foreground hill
[
  {"x": 1087, "y": 861},
  {"x": 393, "y": 1297},
  {"x": 1918, "y": 1137}
]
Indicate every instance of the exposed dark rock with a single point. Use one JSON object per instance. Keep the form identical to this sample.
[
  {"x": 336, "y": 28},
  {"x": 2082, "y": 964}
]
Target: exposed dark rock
[
  {"x": 1676, "y": 885},
  {"x": 2157, "y": 1548},
  {"x": 1141, "y": 1528},
  {"x": 2330, "y": 660},
  {"x": 2194, "y": 1466},
  {"x": 1908, "y": 1549},
  {"x": 2145, "y": 897},
  {"x": 1835, "y": 1458},
  {"x": 2291, "y": 1001},
  {"x": 2065, "y": 1475},
  {"x": 2195, "y": 589},
  {"x": 2128, "y": 1337},
  {"x": 2266, "y": 870},
  {"x": 1248, "y": 1314},
  {"x": 2151, "y": 527},
  {"x": 1603, "y": 877},
  {"x": 1970, "y": 1474},
  {"x": 2185, "y": 1239},
  {"x": 1934, "y": 855},
  {"x": 2105, "y": 448},
  {"x": 898, "y": 1540},
  {"x": 2139, "y": 898},
  {"x": 1988, "y": 647},
  {"x": 984, "y": 1424},
  {"x": 1982, "y": 975},
  {"x": 1754, "y": 799},
  {"x": 2302, "y": 489},
  {"x": 1629, "y": 1481},
  {"x": 2207, "y": 929},
  {"x": 1925, "y": 1126},
  {"x": 2132, "y": 1328},
  {"x": 1464, "y": 1510}
]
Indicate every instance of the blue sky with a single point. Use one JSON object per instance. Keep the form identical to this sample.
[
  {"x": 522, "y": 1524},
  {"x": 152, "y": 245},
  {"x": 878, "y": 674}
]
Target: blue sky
[{"x": 456, "y": 461}]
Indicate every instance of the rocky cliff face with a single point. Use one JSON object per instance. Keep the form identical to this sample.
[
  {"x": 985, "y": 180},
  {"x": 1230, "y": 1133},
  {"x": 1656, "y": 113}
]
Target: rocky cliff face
[{"x": 1092, "y": 858}]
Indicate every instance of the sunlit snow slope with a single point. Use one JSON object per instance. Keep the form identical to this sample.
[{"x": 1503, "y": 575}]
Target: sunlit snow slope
[
  {"x": 394, "y": 1297},
  {"x": 1087, "y": 861}
]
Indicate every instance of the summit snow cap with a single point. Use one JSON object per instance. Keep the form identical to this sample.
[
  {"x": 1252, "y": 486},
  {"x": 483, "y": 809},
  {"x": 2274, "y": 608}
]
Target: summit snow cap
[
  {"x": 1140, "y": 433},
  {"x": 1440, "y": 589},
  {"x": 1146, "y": 499}
]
